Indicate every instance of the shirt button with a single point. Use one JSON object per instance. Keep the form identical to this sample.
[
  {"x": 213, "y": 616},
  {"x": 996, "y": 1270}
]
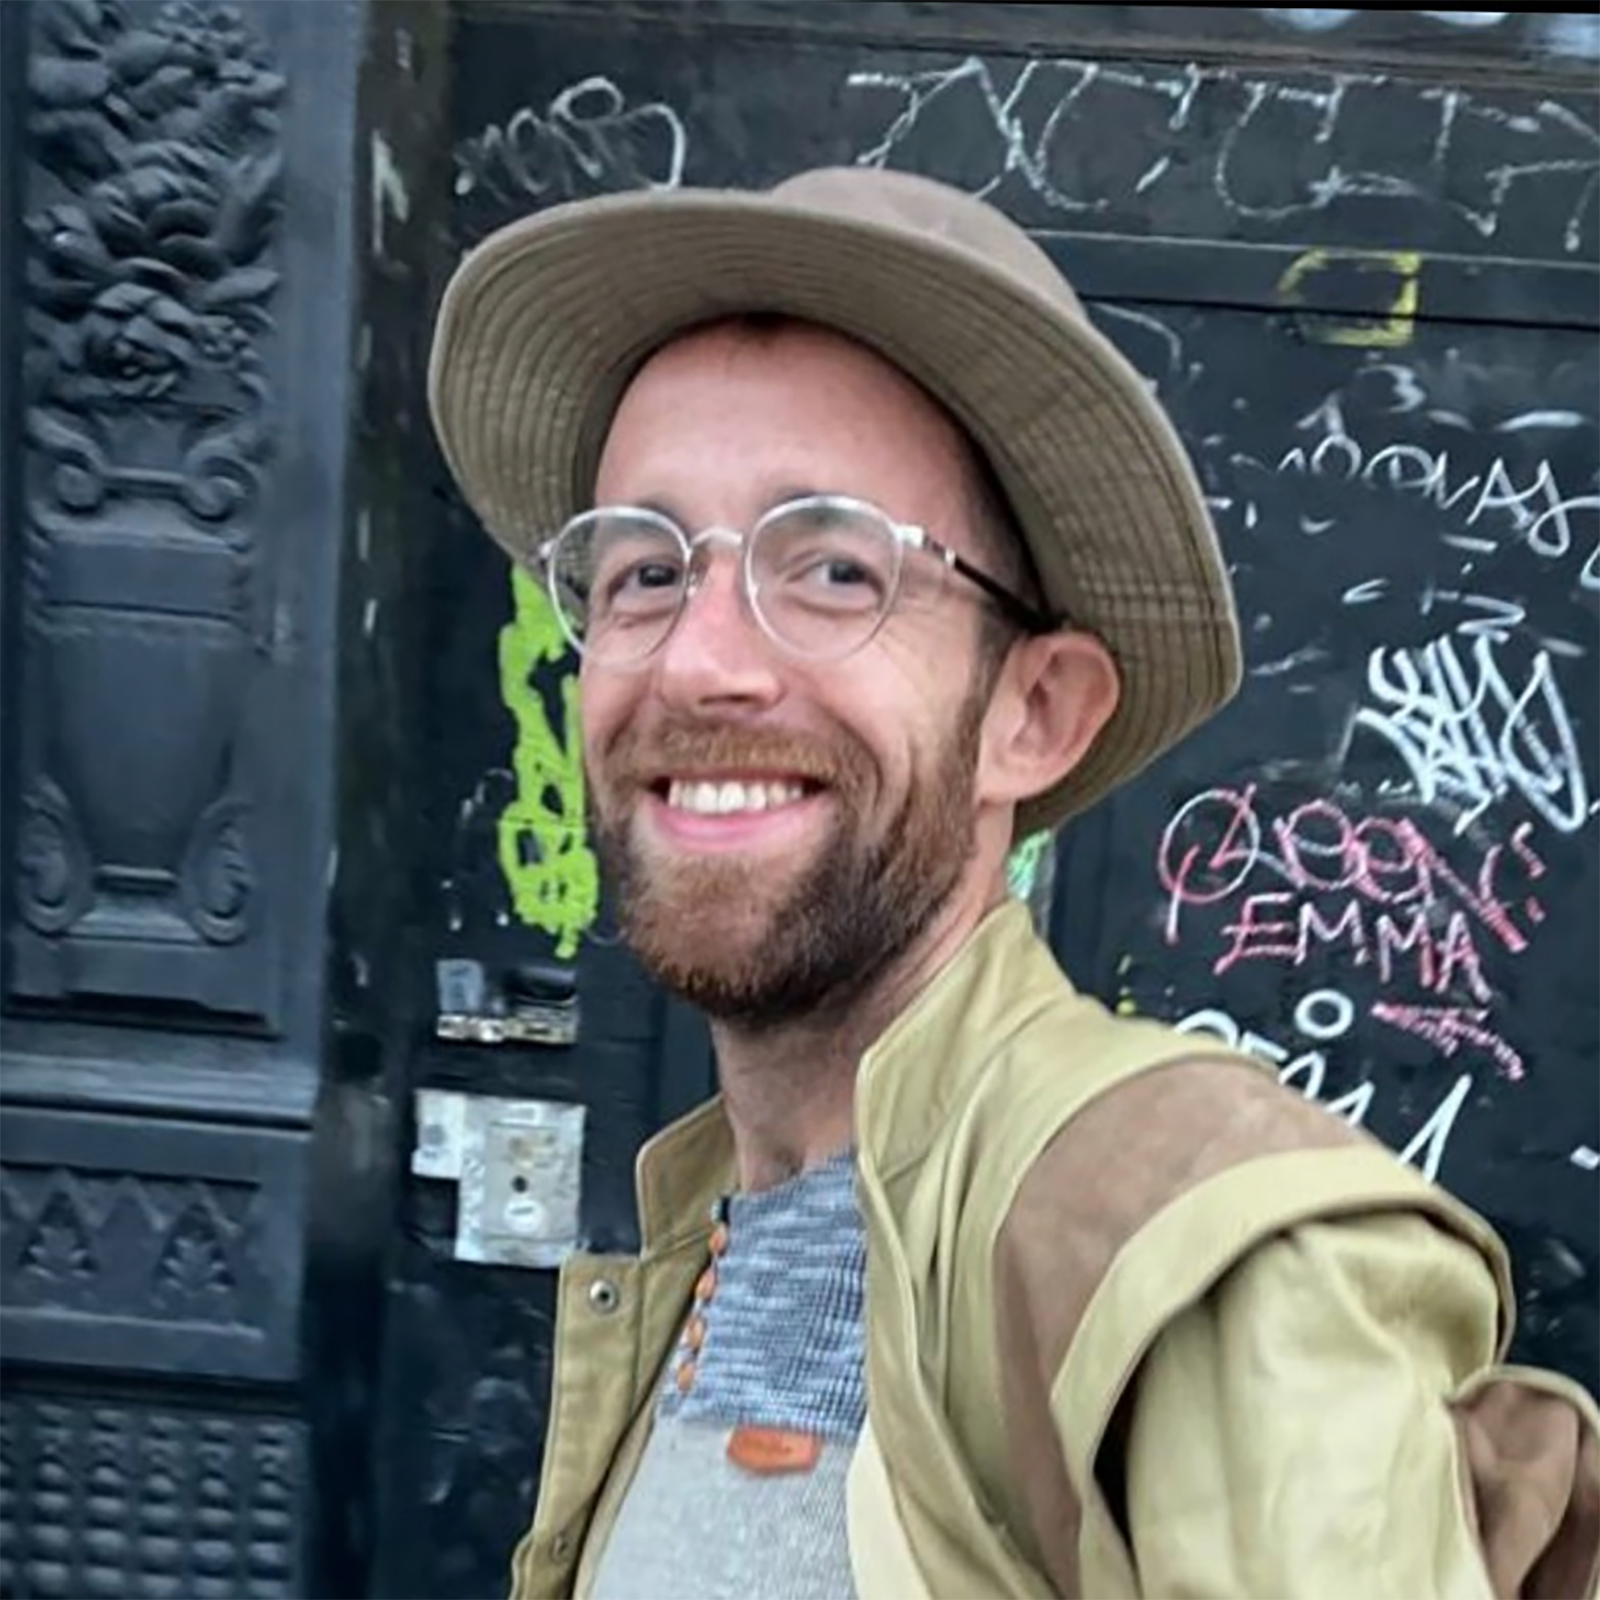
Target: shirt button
[{"x": 604, "y": 1297}]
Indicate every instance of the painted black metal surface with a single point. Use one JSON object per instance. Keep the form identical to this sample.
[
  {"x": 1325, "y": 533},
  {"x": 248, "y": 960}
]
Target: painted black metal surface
[
  {"x": 181, "y": 226},
  {"x": 1368, "y": 293}
]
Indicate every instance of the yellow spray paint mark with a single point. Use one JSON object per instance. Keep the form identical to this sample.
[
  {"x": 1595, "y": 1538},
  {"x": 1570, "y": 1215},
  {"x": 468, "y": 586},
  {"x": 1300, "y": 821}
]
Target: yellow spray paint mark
[
  {"x": 1126, "y": 1005},
  {"x": 1389, "y": 325},
  {"x": 543, "y": 847}
]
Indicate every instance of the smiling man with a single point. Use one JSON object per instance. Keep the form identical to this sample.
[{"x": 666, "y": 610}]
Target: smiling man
[{"x": 877, "y": 557}]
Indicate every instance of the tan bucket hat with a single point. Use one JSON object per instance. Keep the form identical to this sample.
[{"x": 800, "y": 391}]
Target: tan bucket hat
[{"x": 544, "y": 323}]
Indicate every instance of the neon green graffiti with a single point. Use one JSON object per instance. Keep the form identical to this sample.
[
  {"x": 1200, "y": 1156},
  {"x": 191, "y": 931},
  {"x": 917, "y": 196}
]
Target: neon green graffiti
[
  {"x": 544, "y": 850},
  {"x": 1022, "y": 865}
]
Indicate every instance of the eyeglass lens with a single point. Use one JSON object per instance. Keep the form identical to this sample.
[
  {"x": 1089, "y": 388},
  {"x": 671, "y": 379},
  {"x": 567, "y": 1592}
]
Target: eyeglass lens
[{"x": 820, "y": 575}]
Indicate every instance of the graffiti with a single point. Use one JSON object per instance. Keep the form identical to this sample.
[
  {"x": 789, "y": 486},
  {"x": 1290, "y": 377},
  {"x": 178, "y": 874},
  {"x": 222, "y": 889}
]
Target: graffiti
[
  {"x": 543, "y": 847},
  {"x": 1396, "y": 273},
  {"x": 1448, "y": 1028},
  {"x": 1024, "y": 862},
  {"x": 1324, "y": 1017},
  {"x": 390, "y": 197},
  {"x": 1537, "y": 508},
  {"x": 1374, "y": 892},
  {"x": 1032, "y": 124},
  {"x": 1565, "y": 34},
  {"x": 586, "y": 142},
  {"x": 1469, "y": 740},
  {"x": 1030, "y": 877}
]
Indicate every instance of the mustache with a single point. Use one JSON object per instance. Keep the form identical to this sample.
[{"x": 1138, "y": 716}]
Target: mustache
[{"x": 639, "y": 757}]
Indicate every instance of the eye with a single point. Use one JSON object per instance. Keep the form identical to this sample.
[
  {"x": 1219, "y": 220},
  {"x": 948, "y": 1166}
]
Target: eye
[
  {"x": 650, "y": 575},
  {"x": 836, "y": 570},
  {"x": 631, "y": 566},
  {"x": 639, "y": 582},
  {"x": 827, "y": 556}
]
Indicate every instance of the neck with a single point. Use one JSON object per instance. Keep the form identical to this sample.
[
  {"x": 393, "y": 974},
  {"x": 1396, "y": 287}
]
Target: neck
[{"x": 789, "y": 1092}]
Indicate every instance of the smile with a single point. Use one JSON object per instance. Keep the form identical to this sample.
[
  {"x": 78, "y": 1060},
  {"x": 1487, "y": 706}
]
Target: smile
[{"x": 704, "y": 797}]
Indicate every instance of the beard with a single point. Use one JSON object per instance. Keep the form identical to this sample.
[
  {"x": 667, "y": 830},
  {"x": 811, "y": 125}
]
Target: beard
[{"x": 711, "y": 929}]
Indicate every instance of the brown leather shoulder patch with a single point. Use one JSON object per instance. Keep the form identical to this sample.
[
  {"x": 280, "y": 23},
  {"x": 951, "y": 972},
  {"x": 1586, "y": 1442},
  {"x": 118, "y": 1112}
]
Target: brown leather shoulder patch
[
  {"x": 1132, "y": 1151},
  {"x": 1532, "y": 1465}
]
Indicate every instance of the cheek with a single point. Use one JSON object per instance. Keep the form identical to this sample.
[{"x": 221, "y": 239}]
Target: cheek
[
  {"x": 892, "y": 718},
  {"x": 605, "y": 703},
  {"x": 924, "y": 682}
]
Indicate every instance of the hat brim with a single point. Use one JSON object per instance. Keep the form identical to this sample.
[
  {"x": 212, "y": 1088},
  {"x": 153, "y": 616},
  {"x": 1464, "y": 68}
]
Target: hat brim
[{"x": 545, "y": 323}]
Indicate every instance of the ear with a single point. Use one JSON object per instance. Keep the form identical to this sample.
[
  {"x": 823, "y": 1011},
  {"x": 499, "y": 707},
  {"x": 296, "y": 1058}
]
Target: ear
[{"x": 1055, "y": 692}]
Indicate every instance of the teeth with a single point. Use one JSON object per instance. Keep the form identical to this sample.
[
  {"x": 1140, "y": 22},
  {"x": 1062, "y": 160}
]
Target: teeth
[{"x": 730, "y": 798}]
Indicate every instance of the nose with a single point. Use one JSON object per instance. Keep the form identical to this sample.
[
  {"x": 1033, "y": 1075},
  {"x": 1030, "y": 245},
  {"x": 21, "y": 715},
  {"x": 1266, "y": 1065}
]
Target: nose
[{"x": 716, "y": 657}]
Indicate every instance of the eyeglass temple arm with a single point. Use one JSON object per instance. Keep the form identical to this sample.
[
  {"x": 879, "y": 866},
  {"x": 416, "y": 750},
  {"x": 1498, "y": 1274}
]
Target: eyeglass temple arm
[{"x": 1028, "y": 617}]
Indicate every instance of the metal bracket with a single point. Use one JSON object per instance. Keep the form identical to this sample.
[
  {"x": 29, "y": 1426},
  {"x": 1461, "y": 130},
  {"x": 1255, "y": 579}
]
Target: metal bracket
[
  {"x": 533, "y": 1004},
  {"x": 518, "y": 1164}
]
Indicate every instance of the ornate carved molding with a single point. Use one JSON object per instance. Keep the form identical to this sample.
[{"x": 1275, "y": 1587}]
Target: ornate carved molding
[
  {"x": 138, "y": 1245},
  {"x": 101, "y": 1243},
  {"x": 103, "y": 1497},
  {"x": 152, "y": 224}
]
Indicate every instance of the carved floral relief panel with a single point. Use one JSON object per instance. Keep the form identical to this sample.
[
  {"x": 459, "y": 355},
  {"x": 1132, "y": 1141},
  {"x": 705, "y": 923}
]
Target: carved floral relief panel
[{"x": 152, "y": 214}]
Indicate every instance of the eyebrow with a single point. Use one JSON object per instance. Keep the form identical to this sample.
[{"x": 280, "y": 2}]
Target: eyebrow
[
  {"x": 777, "y": 497},
  {"x": 795, "y": 491}
]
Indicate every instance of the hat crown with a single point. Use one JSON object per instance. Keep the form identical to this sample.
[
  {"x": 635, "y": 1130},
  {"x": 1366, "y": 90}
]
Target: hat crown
[{"x": 931, "y": 210}]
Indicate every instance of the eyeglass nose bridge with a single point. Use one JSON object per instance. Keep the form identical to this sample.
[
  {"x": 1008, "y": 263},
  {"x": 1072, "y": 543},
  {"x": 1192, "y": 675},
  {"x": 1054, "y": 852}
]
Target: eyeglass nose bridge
[
  {"x": 746, "y": 586},
  {"x": 698, "y": 548}
]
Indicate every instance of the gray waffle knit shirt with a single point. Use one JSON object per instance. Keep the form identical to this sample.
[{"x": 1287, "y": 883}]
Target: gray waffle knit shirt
[{"x": 783, "y": 1349}]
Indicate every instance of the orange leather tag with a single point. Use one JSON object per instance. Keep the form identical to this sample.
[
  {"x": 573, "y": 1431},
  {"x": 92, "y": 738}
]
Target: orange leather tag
[{"x": 769, "y": 1451}]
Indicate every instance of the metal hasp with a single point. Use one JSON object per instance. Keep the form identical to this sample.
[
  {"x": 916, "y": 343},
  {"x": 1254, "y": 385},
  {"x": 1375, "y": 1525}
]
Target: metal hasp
[
  {"x": 532, "y": 1004},
  {"x": 518, "y": 1165}
]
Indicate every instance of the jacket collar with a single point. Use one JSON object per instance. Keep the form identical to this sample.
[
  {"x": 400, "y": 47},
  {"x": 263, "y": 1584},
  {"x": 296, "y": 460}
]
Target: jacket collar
[
  {"x": 680, "y": 1175},
  {"x": 926, "y": 1059},
  {"x": 919, "y": 1067}
]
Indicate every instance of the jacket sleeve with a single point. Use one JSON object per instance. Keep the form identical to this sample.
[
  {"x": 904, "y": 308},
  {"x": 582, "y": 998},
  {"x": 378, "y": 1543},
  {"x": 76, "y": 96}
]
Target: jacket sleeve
[{"x": 1326, "y": 1422}]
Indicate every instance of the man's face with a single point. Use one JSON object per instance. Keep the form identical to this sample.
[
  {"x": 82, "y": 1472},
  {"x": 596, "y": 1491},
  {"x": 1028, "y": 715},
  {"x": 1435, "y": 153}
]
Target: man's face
[{"x": 843, "y": 817}]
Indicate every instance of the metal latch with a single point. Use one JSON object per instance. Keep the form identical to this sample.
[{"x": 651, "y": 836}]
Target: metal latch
[
  {"x": 536, "y": 1003},
  {"x": 518, "y": 1164}
]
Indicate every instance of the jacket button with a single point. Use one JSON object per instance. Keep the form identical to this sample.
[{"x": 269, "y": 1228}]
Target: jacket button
[
  {"x": 560, "y": 1547},
  {"x": 604, "y": 1297}
]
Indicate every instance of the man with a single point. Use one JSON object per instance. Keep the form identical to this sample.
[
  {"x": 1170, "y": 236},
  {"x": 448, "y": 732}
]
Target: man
[{"x": 878, "y": 557}]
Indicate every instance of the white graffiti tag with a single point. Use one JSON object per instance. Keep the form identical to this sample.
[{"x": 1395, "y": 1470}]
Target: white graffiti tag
[
  {"x": 1193, "y": 122},
  {"x": 586, "y": 142},
  {"x": 1469, "y": 739},
  {"x": 1321, "y": 1018},
  {"x": 1537, "y": 509}
]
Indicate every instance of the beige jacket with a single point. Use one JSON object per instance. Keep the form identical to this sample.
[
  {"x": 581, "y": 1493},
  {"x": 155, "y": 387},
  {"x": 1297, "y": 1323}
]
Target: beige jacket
[{"x": 1139, "y": 1323}]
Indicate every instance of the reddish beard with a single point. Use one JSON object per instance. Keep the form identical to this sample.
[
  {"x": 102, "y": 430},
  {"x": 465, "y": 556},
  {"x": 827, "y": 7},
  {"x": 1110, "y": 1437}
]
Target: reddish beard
[{"x": 712, "y": 931}]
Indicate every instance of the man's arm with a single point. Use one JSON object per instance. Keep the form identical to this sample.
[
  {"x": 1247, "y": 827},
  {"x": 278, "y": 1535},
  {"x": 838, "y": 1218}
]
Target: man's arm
[
  {"x": 1242, "y": 1351},
  {"x": 1305, "y": 1431}
]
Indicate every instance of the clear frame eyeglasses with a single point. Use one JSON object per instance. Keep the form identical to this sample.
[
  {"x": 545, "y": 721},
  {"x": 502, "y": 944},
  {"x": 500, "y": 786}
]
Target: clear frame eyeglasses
[{"x": 819, "y": 574}]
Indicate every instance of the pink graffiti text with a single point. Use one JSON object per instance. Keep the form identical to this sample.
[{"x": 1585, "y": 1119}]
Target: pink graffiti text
[
  {"x": 1374, "y": 889},
  {"x": 1449, "y": 1028}
]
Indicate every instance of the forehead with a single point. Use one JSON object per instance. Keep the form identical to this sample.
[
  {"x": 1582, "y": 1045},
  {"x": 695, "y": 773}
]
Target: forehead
[{"x": 737, "y": 406}]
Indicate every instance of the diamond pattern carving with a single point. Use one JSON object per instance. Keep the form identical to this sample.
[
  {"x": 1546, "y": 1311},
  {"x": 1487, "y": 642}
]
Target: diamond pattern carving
[{"x": 168, "y": 1248}]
